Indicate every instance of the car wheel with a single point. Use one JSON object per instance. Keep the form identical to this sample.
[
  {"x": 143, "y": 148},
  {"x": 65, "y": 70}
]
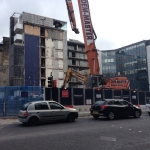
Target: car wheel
[
  {"x": 149, "y": 113},
  {"x": 137, "y": 114},
  {"x": 33, "y": 121},
  {"x": 71, "y": 118},
  {"x": 96, "y": 117},
  {"x": 111, "y": 115}
]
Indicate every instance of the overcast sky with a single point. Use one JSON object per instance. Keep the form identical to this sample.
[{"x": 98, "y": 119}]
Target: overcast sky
[{"x": 117, "y": 23}]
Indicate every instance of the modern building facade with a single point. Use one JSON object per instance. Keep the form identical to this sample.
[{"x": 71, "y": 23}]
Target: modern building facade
[
  {"x": 77, "y": 60},
  {"x": 131, "y": 61},
  {"x": 38, "y": 47},
  {"x": 4, "y": 62}
]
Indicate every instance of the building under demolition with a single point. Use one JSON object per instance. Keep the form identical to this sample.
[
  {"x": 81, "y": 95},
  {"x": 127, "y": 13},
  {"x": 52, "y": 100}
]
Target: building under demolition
[
  {"x": 77, "y": 59},
  {"x": 38, "y": 47},
  {"x": 4, "y": 62}
]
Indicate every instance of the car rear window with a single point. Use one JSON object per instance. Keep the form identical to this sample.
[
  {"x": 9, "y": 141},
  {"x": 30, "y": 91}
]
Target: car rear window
[
  {"x": 101, "y": 102},
  {"x": 25, "y": 106}
]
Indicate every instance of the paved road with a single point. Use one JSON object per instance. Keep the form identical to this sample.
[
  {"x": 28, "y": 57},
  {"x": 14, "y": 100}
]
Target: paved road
[{"x": 84, "y": 134}]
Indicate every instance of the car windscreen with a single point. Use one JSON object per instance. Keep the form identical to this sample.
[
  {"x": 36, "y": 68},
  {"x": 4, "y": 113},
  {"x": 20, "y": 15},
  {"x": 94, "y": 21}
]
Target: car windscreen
[
  {"x": 101, "y": 102},
  {"x": 25, "y": 106}
]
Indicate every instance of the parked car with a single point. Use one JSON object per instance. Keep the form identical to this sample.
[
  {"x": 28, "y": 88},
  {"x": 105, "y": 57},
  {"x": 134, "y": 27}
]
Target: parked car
[
  {"x": 114, "y": 108},
  {"x": 43, "y": 111},
  {"x": 148, "y": 107}
]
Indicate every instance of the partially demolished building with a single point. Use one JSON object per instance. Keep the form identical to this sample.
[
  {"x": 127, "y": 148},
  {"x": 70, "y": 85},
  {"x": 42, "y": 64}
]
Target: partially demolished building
[{"x": 38, "y": 47}]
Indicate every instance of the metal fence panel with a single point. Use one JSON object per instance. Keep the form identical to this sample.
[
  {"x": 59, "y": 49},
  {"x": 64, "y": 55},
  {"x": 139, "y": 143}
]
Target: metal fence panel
[
  {"x": 66, "y": 97},
  {"x": 2, "y": 95},
  {"x": 126, "y": 95},
  {"x": 47, "y": 94},
  {"x": 117, "y": 94},
  {"x": 78, "y": 96},
  {"x": 108, "y": 94},
  {"x": 134, "y": 97},
  {"x": 98, "y": 95},
  {"x": 147, "y": 96},
  {"x": 55, "y": 94},
  {"x": 88, "y": 96},
  {"x": 142, "y": 98},
  {"x": 13, "y": 98}
]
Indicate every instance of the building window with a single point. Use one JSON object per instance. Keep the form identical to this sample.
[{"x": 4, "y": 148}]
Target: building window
[
  {"x": 42, "y": 21},
  {"x": 69, "y": 62},
  {"x": 73, "y": 62},
  {"x": 73, "y": 54},
  {"x": 111, "y": 60},
  {"x": 82, "y": 56},
  {"x": 105, "y": 60},
  {"x": 71, "y": 47},
  {"x": 80, "y": 49}
]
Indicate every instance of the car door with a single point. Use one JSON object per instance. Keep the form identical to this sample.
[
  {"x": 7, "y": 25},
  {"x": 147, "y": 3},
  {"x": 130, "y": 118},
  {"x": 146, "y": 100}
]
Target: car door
[
  {"x": 57, "y": 111},
  {"x": 42, "y": 110},
  {"x": 129, "y": 108},
  {"x": 119, "y": 108}
]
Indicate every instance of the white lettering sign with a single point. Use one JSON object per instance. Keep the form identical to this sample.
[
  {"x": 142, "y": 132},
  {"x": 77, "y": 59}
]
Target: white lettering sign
[
  {"x": 88, "y": 101},
  {"x": 87, "y": 21},
  {"x": 98, "y": 95}
]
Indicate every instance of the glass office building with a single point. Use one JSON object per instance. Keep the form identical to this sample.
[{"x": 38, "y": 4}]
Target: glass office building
[{"x": 130, "y": 61}]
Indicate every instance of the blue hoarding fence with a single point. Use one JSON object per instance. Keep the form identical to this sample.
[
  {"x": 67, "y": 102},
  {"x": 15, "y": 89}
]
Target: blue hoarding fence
[{"x": 13, "y": 98}]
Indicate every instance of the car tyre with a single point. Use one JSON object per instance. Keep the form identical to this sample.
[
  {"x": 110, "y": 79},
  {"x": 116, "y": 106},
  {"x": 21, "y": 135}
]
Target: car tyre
[
  {"x": 33, "y": 121},
  {"x": 95, "y": 117},
  {"x": 137, "y": 114},
  {"x": 149, "y": 113},
  {"x": 71, "y": 118},
  {"x": 111, "y": 115}
]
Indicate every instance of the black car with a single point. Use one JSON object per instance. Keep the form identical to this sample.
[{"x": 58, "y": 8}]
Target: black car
[{"x": 114, "y": 108}]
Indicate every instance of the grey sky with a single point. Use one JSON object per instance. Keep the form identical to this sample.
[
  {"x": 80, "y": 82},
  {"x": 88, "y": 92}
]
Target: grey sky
[{"x": 117, "y": 22}]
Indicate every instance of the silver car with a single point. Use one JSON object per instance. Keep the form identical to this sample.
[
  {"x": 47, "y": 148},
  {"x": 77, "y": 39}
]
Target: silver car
[{"x": 43, "y": 111}]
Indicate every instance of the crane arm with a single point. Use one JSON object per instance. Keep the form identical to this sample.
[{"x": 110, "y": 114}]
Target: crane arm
[
  {"x": 89, "y": 36},
  {"x": 88, "y": 32},
  {"x": 74, "y": 73},
  {"x": 72, "y": 16}
]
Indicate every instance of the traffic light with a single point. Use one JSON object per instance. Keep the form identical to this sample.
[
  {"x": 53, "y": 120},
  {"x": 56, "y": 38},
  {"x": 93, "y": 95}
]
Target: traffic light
[{"x": 50, "y": 81}]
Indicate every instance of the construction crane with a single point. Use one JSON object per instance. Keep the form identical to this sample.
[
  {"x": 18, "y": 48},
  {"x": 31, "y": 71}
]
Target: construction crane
[
  {"x": 88, "y": 32},
  {"x": 95, "y": 80}
]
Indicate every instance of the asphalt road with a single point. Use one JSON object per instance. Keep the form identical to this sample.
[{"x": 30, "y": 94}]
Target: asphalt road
[{"x": 84, "y": 134}]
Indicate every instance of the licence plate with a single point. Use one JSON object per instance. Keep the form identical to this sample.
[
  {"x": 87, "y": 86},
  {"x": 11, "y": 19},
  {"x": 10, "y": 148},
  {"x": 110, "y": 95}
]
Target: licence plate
[{"x": 95, "y": 112}]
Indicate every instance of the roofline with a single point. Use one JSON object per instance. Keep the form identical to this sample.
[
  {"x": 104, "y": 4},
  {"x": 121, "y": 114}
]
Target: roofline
[{"x": 125, "y": 46}]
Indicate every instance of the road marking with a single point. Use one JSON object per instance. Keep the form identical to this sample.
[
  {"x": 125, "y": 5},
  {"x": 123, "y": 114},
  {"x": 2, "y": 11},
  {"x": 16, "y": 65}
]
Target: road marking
[
  {"x": 108, "y": 139},
  {"x": 130, "y": 129},
  {"x": 120, "y": 127},
  {"x": 140, "y": 131}
]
